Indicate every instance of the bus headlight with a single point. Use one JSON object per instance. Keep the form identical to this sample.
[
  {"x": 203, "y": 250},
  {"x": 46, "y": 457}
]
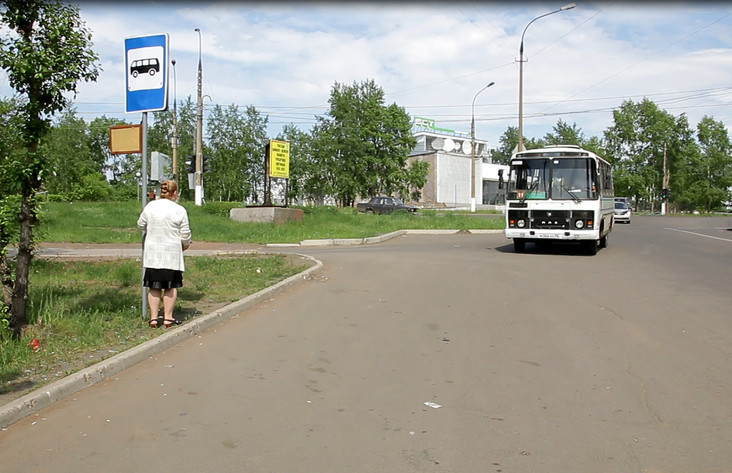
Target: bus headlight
[
  {"x": 579, "y": 224},
  {"x": 521, "y": 223}
]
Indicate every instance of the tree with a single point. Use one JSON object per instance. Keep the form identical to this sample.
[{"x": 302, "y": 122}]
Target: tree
[
  {"x": 302, "y": 166},
  {"x": 11, "y": 149},
  {"x": 75, "y": 175},
  {"x": 45, "y": 51},
  {"x": 509, "y": 144},
  {"x": 636, "y": 143},
  {"x": 564, "y": 134},
  {"x": 709, "y": 177},
  {"x": 160, "y": 138},
  {"x": 363, "y": 144},
  {"x": 118, "y": 169},
  {"x": 236, "y": 147}
]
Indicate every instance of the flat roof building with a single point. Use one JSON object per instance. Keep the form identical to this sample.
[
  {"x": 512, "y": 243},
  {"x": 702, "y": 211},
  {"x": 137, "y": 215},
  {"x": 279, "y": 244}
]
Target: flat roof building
[{"x": 448, "y": 154}]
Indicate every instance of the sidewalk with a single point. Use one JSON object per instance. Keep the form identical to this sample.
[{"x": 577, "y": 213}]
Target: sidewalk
[{"x": 134, "y": 250}]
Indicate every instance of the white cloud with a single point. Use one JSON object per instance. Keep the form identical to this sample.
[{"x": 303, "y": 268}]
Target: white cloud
[{"x": 430, "y": 58}]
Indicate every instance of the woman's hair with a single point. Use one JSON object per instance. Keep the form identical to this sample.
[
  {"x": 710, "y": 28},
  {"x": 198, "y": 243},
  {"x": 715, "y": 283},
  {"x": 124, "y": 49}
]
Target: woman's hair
[{"x": 168, "y": 189}]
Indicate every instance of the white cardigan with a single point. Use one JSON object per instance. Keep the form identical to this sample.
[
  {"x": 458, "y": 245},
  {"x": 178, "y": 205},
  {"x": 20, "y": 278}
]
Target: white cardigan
[{"x": 166, "y": 225}]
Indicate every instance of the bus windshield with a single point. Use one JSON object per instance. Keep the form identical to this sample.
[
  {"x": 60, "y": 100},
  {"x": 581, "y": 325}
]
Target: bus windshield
[{"x": 552, "y": 178}]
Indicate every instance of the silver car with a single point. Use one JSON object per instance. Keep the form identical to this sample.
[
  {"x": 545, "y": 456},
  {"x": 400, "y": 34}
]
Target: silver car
[{"x": 622, "y": 212}]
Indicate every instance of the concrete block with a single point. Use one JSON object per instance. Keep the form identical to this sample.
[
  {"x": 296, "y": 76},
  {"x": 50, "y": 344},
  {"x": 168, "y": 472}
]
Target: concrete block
[{"x": 276, "y": 215}]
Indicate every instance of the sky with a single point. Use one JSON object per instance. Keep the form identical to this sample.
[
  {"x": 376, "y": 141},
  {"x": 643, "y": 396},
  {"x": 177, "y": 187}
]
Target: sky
[{"x": 434, "y": 59}]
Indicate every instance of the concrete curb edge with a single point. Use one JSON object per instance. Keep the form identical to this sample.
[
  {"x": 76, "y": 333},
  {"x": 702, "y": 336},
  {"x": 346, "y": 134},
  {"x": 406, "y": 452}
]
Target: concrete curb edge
[{"x": 373, "y": 240}]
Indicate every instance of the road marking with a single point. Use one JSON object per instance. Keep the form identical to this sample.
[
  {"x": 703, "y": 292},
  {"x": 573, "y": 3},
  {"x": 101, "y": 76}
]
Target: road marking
[{"x": 699, "y": 234}]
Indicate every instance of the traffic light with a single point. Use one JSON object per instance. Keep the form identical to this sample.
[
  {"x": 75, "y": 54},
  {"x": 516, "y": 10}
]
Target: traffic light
[
  {"x": 191, "y": 164},
  {"x": 665, "y": 193},
  {"x": 205, "y": 166}
]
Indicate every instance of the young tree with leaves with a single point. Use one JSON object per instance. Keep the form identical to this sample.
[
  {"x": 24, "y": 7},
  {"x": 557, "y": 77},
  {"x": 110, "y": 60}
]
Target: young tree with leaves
[
  {"x": 160, "y": 138},
  {"x": 45, "y": 51},
  {"x": 636, "y": 143},
  {"x": 300, "y": 162},
  {"x": 565, "y": 134},
  {"x": 74, "y": 173},
  {"x": 118, "y": 169},
  {"x": 11, "y": 152},
  {"x": 709, "y": 177},
  {"x": 236, "y": 147},
  {"x": 363, "y": 144},
  {"x": 508, "y": 144}
]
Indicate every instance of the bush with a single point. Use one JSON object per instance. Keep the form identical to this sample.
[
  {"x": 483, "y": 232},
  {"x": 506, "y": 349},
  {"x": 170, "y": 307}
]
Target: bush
[
  {"x": 92, "y": 188},
  {"x": 220, "y": 209},
  {"x": 320, "y": 210}
]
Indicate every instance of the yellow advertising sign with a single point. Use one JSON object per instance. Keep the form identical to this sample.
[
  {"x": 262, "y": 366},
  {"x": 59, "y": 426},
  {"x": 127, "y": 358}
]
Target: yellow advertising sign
[{"x": 279, "y": 158}]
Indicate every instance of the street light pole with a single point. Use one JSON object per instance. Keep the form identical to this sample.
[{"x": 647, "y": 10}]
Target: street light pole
[
  {"x": 174, "y": 144},
  {"x": 568, "y": 6},
  {"x": 199, "y": 130},
  {"x": 472, "y": 153}
]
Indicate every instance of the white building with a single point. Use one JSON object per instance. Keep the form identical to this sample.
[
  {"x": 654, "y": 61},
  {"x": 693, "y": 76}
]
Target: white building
[{"x": 448, "y": 154}]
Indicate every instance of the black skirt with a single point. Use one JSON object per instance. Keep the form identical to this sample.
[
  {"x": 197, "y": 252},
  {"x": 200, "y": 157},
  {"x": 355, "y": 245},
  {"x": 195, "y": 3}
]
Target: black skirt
[{"x": 162, "y": 278}]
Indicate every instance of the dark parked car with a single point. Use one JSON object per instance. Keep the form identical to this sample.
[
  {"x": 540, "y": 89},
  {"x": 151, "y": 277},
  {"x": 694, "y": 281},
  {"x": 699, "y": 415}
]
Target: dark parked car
[{"x": 384, "y": 205}]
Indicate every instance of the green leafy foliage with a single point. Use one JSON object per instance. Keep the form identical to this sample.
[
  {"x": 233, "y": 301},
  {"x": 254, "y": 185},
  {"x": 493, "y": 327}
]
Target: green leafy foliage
[
  {"x": 360, "y": 148},
  {"x": 45, "y": 51},
  {"x": 236, "y": 149},
  {"x": 645, "y": 143}
]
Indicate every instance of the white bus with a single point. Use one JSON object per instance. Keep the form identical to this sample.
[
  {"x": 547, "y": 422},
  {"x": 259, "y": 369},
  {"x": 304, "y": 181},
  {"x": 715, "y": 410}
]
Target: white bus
[{"x": 559, "y": 193}]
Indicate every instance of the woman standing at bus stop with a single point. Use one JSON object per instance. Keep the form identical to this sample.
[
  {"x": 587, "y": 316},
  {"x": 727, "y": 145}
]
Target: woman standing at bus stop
[{"x": 167, "y": 235}]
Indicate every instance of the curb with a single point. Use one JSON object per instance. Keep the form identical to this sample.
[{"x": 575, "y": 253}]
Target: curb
[
  {"x": 60, "y": 389},
  {"x": 372, "y": 240}
]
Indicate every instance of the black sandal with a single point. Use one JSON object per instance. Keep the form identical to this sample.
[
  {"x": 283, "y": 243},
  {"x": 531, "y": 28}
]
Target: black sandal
[
  {"x": 167, "y": 323},
  {"x": 154, "y": 323}
]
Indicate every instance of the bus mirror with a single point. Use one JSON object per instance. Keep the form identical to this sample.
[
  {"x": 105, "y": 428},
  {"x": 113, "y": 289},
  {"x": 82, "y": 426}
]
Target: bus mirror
[{"x": 500, "y": 178}]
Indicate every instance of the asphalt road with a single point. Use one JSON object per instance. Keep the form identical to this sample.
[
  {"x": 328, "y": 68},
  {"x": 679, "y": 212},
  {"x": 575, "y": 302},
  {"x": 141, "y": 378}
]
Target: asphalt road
[{"x": 435, "y": 353}]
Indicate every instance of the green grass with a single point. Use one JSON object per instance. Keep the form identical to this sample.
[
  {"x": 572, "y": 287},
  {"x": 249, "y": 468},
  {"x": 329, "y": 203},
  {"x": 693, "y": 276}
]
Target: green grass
[
  {"x": 93, "y": 222},
  {"x": 82, "y": 312}
]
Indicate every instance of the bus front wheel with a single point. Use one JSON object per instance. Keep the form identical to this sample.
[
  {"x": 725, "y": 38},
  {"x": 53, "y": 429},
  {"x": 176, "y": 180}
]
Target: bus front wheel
[
  {"x": 603, "y": 240},
  {"x": 519, "y": 245}
]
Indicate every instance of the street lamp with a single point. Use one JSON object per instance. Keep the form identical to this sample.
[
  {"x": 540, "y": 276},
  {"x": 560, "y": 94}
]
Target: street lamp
[
  {"x": 138, "y": 175},
  {"x": 199, "y": 130},
  {"x": 568, "y": 6},
  {"x": 472, "y": 153}
]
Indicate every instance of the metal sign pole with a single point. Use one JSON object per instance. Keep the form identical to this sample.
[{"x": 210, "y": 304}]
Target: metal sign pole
[
  {"x": 146, "y": 90},
  {"x": 144, "y": 203},
  {"x": 267, "y": 181}
]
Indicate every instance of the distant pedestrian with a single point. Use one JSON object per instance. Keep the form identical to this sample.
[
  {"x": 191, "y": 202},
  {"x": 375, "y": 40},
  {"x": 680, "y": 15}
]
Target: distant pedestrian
[{"x": 167, "y": 235}]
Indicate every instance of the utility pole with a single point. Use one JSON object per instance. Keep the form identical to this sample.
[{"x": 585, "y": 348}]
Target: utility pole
[
  {"x": 472, "y": 147},
  {"x": 199, "y": 130},
  {"x": 521, "y": 147},
  {"x": 664, "y": 191},
  {"x": 174, "y": 144}
]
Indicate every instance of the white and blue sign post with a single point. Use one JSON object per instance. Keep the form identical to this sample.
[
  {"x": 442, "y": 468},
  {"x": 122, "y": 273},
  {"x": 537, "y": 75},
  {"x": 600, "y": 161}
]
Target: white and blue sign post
[{"x": 146, "y": 90}]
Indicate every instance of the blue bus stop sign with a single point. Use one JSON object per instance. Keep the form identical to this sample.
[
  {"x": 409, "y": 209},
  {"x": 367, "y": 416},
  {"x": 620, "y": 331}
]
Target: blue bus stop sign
[{"x": 146, "y": 73}]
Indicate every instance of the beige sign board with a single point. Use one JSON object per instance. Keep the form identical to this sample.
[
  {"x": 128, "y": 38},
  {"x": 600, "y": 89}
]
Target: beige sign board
[{"x": 125, "y": 139}]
